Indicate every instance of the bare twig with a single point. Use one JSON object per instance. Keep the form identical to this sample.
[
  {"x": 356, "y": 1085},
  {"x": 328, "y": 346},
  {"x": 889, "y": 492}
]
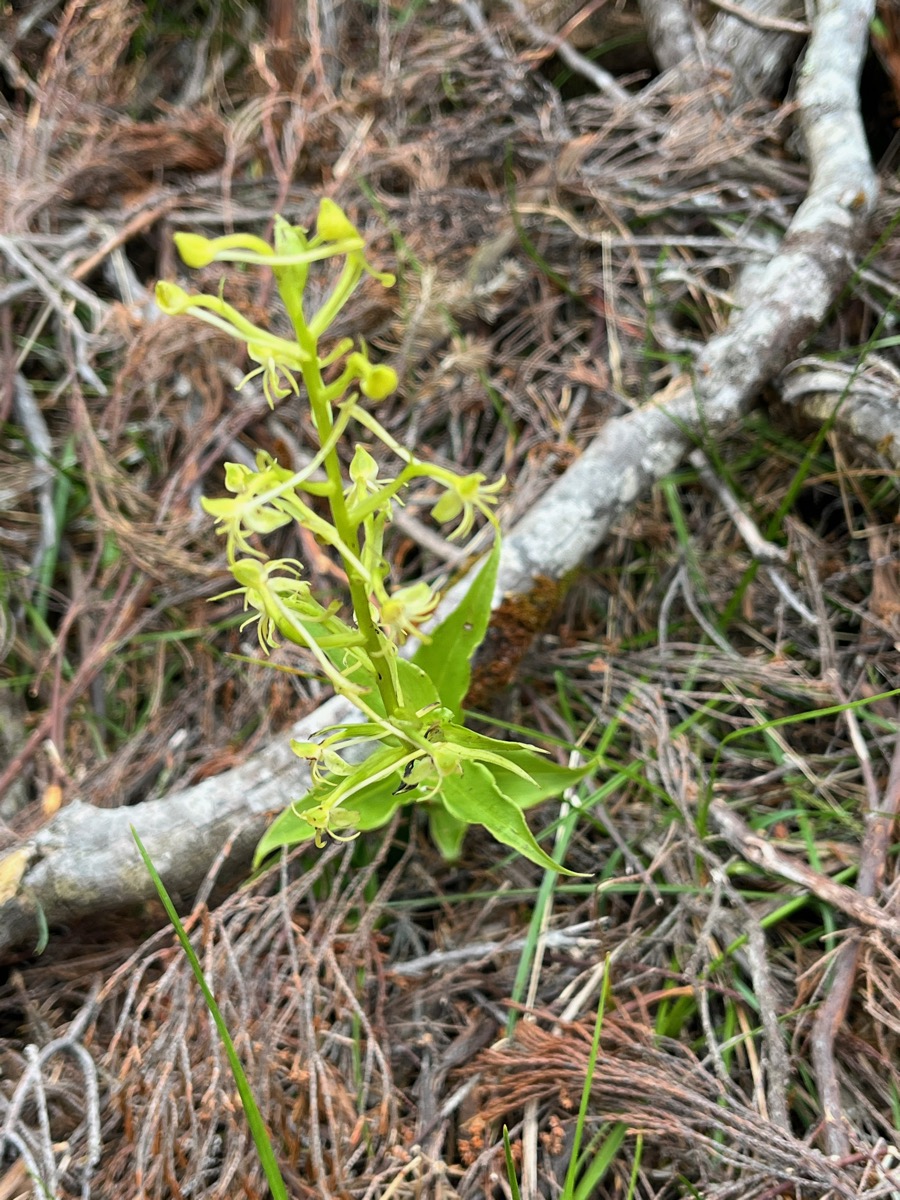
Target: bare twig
[
  {"x": 37, "y": 1146},
  {"x": 602, "y": 80},
  {"x": 861, "y": 404},
  {"x": 32, "y": 420},
  {"x": 776, "y": 1059},
  {"x": 758, "y": 850},
  {"x": 759, "y": 547},
  {"x": 761, "y": 20},
  {"x": 767, "y": 552},
  {"x": 833, "y": 1010}
]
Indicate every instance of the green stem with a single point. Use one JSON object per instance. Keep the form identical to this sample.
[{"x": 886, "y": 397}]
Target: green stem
[
  {"x": 339, "y": 296},
  {"x": 366, "y": 507},
  {"x": 375, "y": 642}
]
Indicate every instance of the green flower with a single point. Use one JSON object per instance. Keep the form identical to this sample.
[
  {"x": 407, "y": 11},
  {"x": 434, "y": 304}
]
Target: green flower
[
  {"x": 363, "y": 472},
  {"x": 324, "y": 762},
  {"x": 325, "y": 820},
  {"x": 246, "y": 513},
  {"x": 333, "y": 225},
  {"x": 270, "y": 589},
  {"x": 465, "y": 494},
  {"x": 242, "y": 515},
  {"x": 277, "y": 374},
  {"x": 404, "y": 611}
]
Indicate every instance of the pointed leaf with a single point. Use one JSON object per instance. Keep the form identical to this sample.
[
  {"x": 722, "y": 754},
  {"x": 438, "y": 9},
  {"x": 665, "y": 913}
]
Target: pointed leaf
[
  {"x": 418, "y": 690},
  {"x": 447, "y": 832},
  {"x": 464, "y": 736},
  {"x": 377, "y": 804},
  {"x": 476, "y": 747},
  {"x": 475, "y": 798},
  {"x": 447, "y": 658},
  {"x": 374, "y": 803},
  {"x": 365, "y": 729},
  {"x": 550, "y": 779}
]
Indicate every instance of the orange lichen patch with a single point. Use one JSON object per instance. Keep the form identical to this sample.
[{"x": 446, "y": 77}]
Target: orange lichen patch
[{"x": 513, "y": 628}]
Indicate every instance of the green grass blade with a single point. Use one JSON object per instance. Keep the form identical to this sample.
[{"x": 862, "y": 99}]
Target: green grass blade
[
  {"x": 810, "y": 714},
  {"x": 510, "y": 1167},
  {"x": 636, "y": 1166},
  {"x": 569, "y": 1186},
  {"x": 545, "y": 893},
  {"x": 600, "y": 1163},
  {"x": 251, "y": 1108}
]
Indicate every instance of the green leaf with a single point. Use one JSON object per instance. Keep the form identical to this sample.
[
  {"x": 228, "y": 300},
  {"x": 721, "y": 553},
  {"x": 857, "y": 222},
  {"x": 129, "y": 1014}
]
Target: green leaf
[
  {"x": 476, "y": 747},
  {"x": 447, "y": 832},
  {"x": 550, "y": 779},
  {"x": 447, "y": 658},
  {"x": 374, "y": 803},
  {"x": 377, "y": 804},
  {"x": 468, "y": 738},
  {"x": 288, "y": 829},
  {"x": 475, "y": 798},
  {"x": 365, "y": 729},
  {"x": 251, "y": 1109},
  {"x": 418, "y": 690}
]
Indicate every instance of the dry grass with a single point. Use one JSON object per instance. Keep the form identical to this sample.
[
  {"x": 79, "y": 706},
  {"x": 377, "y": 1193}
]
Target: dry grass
[{"x": 515, "y": 339}]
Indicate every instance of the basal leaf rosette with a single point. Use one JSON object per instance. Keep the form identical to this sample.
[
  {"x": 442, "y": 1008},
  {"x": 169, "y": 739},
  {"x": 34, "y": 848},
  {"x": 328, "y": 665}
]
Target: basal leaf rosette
[{"x": 461, "y": 778}]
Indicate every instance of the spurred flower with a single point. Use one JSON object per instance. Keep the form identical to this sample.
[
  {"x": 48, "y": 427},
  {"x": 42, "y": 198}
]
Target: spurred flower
[
  {"x": 464, "y": 495},
  {"x": 407, "y": 609},
  {"x": 333, "y": 224}
]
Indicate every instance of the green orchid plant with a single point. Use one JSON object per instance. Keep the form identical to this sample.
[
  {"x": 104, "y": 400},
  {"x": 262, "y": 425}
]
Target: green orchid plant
[{"x": 420, "y": 751}]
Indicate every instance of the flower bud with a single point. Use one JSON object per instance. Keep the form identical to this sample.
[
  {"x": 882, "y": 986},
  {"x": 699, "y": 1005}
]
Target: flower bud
[
  {"x": 171, "y": 298},
  {"x": 332, "y": 223},
  {"x": 289, "y": 239},
  {"x": 379, "y": 382},
  {"x": 195, "y": 250},
  {"x": 363, "y": 467}
]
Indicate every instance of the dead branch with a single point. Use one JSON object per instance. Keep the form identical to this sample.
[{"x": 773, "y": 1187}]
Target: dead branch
[
  {"x": 756, "y": 849},
  {"x": 752, "y": 45},
  {"x": 672, "y": 37},
  {"x": 861, "y": 404},
  {"x": 832, "y": 1013},
  {"x": 84, "y": 861},
  {"x": 758, "y": 41}
]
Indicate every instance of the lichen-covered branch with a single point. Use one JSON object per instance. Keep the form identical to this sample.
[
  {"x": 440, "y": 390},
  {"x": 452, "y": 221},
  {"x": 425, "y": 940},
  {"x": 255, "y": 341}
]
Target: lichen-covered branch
[{"x": 84, "y": 860}]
